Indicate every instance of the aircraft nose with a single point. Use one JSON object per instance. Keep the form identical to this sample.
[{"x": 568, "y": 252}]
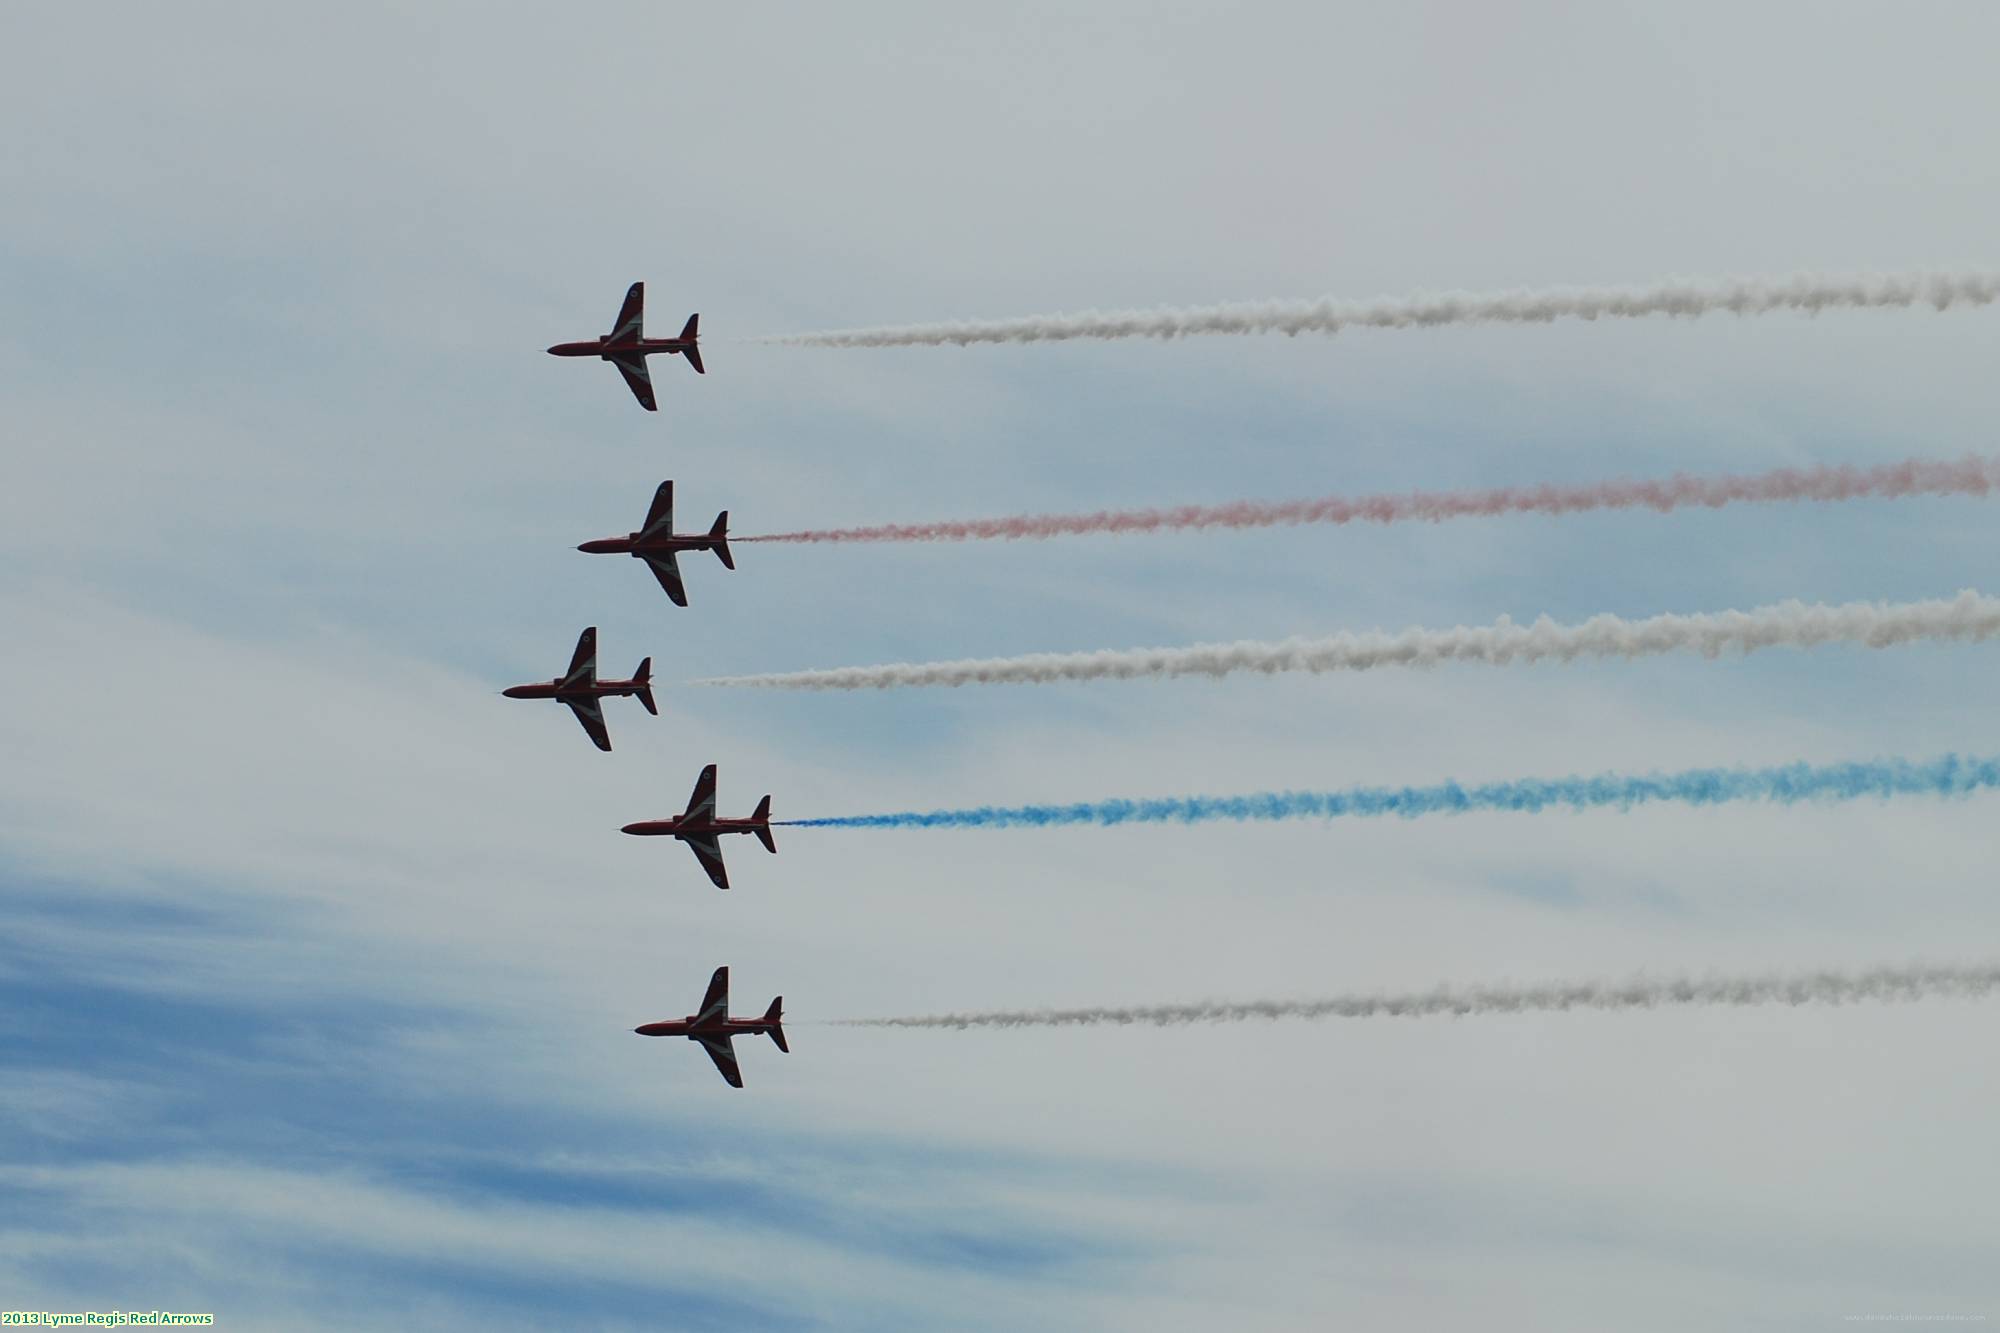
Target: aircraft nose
[
  {"x": 630, "y": 828},
  {"x": 555, "y": 349}
]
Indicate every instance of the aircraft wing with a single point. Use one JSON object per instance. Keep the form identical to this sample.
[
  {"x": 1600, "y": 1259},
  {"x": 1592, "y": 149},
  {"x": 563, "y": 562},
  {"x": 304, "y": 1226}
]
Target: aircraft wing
[
  {"x": 590, "y": 712},
  {"x": 583, "y": 662},
  {"x": 668, "y": 571},
  {"x": 631, "y": 323},
  {"x": 660, "y": 518},
  {"x": 702, "y": 802},
  {"x": 723, "y": 1051},
  {"x": 715, "y": 1004},
  {"x": 708, "y": 850},
  {"x": 633, "y": 368}
]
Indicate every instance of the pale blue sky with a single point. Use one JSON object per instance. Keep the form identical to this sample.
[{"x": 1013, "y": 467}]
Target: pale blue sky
[{"x": 319, "y": 961}]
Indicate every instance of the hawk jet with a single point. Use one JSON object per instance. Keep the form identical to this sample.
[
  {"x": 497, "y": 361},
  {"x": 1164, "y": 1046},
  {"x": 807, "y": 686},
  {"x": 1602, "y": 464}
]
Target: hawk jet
[
  {"x": 658, "y": 544},
  {"x": 580, "y": 688},
  {"x": 627, "y": 346},
  {"x": 699, "y": 828},
  {"x": 713, "y": 1027}
]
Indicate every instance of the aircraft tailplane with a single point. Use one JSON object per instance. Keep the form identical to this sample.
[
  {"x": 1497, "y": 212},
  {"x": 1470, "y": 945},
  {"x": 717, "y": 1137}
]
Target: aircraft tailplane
[
  {"x": 719, "y": 534},
  {"x": 643, "y": 678},
  {"x": 762, "y": 816},
  {"x": 692, "y": 351},
  {"x": 775, "y": 1018}
]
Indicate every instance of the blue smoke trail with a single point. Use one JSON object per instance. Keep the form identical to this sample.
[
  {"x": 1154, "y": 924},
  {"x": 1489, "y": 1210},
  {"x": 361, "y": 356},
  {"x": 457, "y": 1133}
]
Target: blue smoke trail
[{"x": 1787, "y": 785}]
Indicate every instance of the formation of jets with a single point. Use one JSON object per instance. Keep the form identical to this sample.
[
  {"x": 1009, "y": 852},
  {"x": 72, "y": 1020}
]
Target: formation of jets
[{"x": 656, "y": 543}]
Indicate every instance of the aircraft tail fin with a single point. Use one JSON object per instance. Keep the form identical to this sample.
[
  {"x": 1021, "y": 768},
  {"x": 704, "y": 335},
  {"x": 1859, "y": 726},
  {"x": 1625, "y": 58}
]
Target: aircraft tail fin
[
  {"x": 719, "y": 534},
  {"x": 762, "y": 816},
  {"x": 775, "y": 1017},
  {"x": 692, "y": 351},
  {"x": 643, "y": 677}
]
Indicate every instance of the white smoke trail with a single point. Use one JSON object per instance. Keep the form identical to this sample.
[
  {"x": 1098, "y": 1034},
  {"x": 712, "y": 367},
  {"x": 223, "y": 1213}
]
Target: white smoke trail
[
  {"x": 1967, "y": 476},
  {"x": 1882, "y": 984},
  {"x": 1687, "y": 298},
  {"x": 1968, "y": 616}
]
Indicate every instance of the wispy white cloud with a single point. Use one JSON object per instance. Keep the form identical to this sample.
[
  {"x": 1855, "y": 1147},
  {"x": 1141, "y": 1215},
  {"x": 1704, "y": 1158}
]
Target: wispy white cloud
[{"x": 285, "y": 1213}]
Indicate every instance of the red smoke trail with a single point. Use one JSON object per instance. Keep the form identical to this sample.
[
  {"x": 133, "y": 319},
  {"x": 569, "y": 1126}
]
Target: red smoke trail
[{"x": 1971, "y": 475}]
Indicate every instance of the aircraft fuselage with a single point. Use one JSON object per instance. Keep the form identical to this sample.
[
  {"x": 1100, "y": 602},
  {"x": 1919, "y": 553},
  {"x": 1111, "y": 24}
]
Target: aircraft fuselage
[
  {"x": 605, "y": 349},
  {"x": 555, "y": 689},
  {"x": 680, "y": 826},
  {"x": 694, "y": 1029},
  {"x": 639, "y": 545}
]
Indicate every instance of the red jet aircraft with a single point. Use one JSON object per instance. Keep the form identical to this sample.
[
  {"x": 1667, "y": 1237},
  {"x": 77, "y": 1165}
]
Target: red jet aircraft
[
  {"x": 699, "y": 828},
  {"x": 657, "y": 543},
  {"x": 581, "y": 689},
  {"x": 627, "y": 346},
  {"x": 713, "y": 1027}
]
